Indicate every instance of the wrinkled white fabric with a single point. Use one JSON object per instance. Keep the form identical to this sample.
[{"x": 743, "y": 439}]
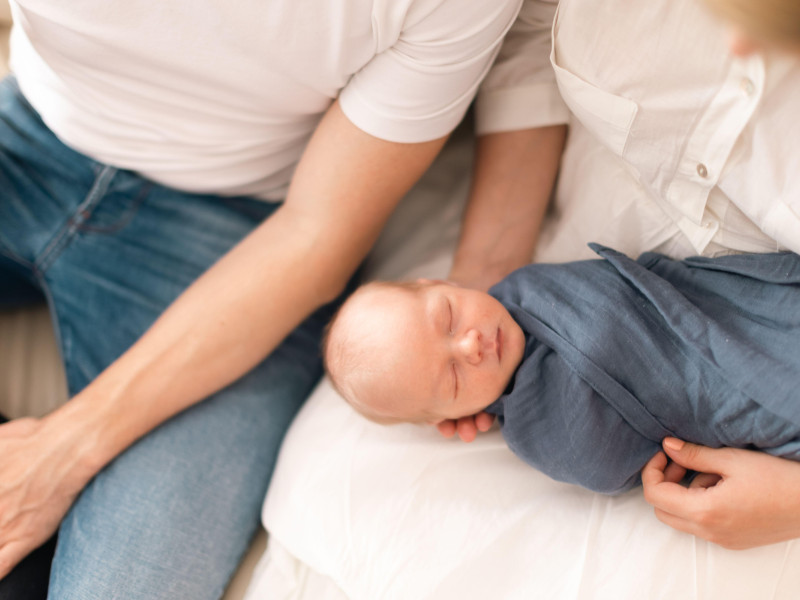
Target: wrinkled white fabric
[
  {"x": 674, "y": 143},
  {"x": 222, "y": 97}
]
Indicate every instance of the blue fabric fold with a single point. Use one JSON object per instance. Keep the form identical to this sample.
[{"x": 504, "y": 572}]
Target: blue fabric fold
[{"x": 621, "y": 353}]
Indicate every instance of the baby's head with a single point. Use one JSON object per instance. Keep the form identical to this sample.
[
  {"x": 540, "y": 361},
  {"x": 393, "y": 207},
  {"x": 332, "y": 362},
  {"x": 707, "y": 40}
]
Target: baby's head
[{"x": 421, "y": 351}]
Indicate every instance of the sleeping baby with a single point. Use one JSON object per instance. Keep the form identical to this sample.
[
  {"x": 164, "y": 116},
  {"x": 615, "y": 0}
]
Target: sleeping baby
[{"x": 587, "y": 365}]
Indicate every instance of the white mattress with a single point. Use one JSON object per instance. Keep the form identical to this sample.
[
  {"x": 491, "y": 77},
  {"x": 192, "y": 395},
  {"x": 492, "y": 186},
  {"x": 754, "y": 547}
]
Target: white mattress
[{"x": 361, "y": 511}]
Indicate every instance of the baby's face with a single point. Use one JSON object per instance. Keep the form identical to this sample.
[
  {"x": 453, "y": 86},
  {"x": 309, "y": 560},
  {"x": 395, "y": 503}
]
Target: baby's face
[{"x": 436, "y": 352}]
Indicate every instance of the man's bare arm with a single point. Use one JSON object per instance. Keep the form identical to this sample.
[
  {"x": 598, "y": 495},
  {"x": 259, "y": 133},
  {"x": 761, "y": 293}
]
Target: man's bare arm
[{"x": 344, "y": 189}]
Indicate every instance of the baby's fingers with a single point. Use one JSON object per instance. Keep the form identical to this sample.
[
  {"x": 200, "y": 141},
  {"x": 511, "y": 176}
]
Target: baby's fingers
[
  {"x": 483, "y": 421},
  {"x": 447, "y": 428},
  {"x": 467, "y": 429}
]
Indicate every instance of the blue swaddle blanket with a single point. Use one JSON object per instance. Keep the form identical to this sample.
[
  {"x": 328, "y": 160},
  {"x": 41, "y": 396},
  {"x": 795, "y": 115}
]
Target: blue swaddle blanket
[{"x": 622, "y": 353}]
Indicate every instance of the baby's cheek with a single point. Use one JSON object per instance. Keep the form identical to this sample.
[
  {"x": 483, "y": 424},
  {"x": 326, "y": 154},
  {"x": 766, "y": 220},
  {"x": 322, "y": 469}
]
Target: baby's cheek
[{"x": 486, "y": 390}]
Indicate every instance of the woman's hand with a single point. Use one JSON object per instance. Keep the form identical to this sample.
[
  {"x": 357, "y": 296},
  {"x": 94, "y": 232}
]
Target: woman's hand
[{"x": 739, "y": 499}]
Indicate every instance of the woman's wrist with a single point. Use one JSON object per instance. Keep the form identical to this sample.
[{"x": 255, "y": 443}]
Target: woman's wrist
[{"x": 479, "y": 273}]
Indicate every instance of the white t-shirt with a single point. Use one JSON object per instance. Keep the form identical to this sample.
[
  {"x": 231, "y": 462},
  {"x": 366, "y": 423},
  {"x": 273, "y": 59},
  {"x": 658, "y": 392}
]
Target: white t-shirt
[
  {"x": 674, "y": 143},
  {"x": 222, "y": 97}
]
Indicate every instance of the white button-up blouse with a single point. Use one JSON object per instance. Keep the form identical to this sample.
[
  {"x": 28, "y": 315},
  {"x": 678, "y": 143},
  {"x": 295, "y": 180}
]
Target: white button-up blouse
[{"x": 675, "y": 144}]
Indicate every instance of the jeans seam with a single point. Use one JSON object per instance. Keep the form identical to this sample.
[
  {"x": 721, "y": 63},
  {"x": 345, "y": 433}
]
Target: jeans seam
[
  {"x": 99, "y": 187},
  {"x": 126, "y": 217},
  {"x": 13, "y": 256},
  {"x": 63, "y": 345}
]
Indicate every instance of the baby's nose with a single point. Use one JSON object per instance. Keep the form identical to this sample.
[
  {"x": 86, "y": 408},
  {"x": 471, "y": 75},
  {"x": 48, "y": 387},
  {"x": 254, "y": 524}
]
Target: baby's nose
[{"x": 469, "y": 345}]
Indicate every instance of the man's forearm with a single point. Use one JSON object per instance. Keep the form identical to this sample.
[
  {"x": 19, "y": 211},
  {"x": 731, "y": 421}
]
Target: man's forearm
[
  {"x": 512, "y": 182},
  {"x": 345, "y": 187},
  {"x": 222, "y": 325},
  {"x": 217, "y": 330}
]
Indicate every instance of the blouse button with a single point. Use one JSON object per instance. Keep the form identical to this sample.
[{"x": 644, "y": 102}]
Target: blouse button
[
  {"x": 747, "y": 86},
  {"x": 702, "y": 170}
]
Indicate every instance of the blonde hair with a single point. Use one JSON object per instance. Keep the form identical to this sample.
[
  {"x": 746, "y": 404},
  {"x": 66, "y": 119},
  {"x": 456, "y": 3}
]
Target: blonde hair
[{"x": 774, "y": 21}]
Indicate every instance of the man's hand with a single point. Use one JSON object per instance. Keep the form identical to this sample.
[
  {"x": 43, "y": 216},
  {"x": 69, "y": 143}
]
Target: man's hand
[
  {"x": 39, "y": 481},
  {"x": 739, "y": 499}
]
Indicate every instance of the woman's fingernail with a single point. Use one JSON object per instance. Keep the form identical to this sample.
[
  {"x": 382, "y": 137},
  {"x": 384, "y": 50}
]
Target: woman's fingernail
[{"x": 673, "y": 444}]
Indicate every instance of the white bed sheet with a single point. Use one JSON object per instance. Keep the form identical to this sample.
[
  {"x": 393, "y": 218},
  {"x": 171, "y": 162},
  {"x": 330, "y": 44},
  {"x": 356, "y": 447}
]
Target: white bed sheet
[
  {"x": 384, "y": 513},
  {"x": 399, "y": 513},
  {"x": 282, "y": 576}
]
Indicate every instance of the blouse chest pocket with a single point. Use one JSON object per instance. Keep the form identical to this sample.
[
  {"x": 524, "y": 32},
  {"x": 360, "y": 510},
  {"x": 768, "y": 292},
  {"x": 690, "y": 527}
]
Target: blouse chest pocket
[{"x": 607, "y": 117}]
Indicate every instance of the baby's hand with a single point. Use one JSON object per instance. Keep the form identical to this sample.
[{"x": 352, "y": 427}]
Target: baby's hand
[{"x": 466, "y": 427}]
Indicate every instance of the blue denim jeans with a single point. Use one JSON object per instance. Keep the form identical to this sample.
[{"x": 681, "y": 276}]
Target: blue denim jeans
[{"x": 172, "y": 516}]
